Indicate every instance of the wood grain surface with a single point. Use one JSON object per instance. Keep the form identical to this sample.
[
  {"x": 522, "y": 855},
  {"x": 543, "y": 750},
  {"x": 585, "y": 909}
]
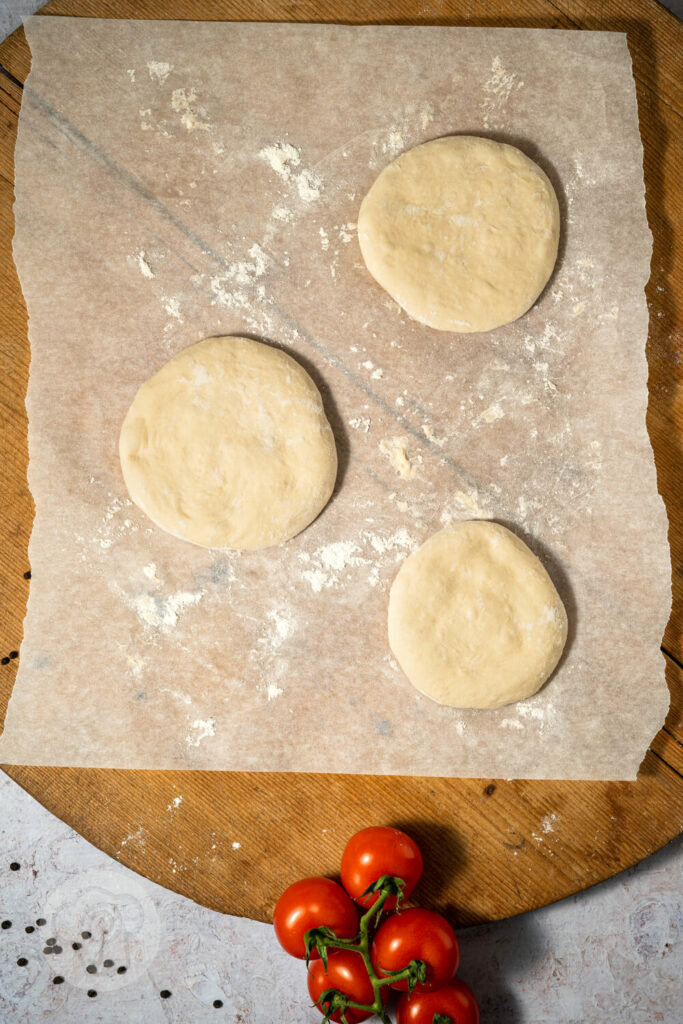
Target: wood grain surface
[{"x": 492, "y": 848}]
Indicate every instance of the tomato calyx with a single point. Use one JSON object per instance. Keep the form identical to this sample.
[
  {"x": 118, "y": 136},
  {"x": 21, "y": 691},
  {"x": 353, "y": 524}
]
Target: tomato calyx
[
  {"x": 441, "y": 1018},
  {"x": 385, "y": 886},
  {"x": 331, "y": 1001},
  {"x": 415, "y": 973},
  {"x": 318, "y": 939}
]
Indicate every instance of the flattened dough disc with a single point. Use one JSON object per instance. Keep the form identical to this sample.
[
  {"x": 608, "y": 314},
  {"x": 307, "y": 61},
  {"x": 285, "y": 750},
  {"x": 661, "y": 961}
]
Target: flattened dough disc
[
  {"x": 462, "y": 232},
  {"x": 228, "y": 446},
  {"x": 474, "y": 618}
]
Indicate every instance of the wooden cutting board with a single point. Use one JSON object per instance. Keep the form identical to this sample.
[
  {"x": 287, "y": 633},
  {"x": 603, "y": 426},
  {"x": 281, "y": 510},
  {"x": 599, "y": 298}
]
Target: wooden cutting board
[{"x": 232, "y": 841}]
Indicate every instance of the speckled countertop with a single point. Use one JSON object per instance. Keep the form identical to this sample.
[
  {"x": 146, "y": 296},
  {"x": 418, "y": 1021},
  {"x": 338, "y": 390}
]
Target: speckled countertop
[{"x": 84, "y": 939}]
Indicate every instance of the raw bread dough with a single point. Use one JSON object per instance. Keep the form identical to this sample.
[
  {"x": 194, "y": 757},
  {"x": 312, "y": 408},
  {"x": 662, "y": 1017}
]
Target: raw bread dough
[
  {"x": 474, "y": 618},
  {"x": 462, "y": 232},
  {"x": 228, "y": 446}
]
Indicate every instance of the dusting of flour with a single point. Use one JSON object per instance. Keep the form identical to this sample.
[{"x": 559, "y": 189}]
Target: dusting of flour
[
  {"x": 159, "y": 70},
  {"x": 203, "y": 728},
  {"x": 285, "y": 160},
  {"x": 497, "y": 91},
  {"x": 184, "y": 103},
  {"x": 330, "y": 565},
  {"x": 163, "y": 613},
  {"x": 396, "y": 450}
]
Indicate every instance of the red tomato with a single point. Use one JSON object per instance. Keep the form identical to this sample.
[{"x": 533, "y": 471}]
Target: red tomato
[
  {"x": 454, "y": 1002},
  {"x": 416, "y": 935},
  {"x": 378, "y": 851},
  {"x": 312, "y": 903},
  {"x": 347, "y": 973}
]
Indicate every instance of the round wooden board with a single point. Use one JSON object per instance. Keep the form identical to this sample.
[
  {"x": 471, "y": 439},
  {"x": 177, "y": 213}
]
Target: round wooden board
[{"x": 492, "y": 848}]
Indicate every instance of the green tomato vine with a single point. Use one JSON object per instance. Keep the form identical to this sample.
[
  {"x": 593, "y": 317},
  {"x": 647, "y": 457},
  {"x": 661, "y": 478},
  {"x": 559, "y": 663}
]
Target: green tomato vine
[{"x": 331, "y": 1001}]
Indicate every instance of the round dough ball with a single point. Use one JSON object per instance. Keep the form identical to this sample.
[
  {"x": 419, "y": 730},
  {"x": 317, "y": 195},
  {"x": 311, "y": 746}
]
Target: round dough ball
[
  {"x": 228, "y": 446},
  {"x": 462, "y": 232},
  {"x": 474, "y": 618}
]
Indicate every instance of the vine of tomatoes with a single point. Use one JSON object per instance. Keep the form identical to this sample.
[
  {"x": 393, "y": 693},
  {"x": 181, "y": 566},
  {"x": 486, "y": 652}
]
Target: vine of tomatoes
[{"x": 354, "y": 961}]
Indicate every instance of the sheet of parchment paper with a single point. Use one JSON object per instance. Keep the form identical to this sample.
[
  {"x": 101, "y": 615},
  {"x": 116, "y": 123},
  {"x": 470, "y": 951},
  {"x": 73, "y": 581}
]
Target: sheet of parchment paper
[{"x": 182, "y": 180}]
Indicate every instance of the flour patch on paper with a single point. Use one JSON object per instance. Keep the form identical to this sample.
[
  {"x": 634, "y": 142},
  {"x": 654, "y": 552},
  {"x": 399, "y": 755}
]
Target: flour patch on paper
[
  {"x": 582, "y": 175},
  {"x": 337, "y": 556},
  {"x": 178, "y": 696},
  {"x": 428, "y": 432},
  {"x": 283, "y": 626},
  {"x": 202, "y": 729},
  {"x": 238, "y": 286},
  {"x": 346, "y": 232},
  {"x": 184, "y": 103},
  {"x": 403, "y": 133},
  {"x": 328, "y": 565},
  {"x": 329, "y": 562},
  {"x": 308, "y": 186},
  {"x": 112, "y": 527},
  {"x": 550, "y": 340},
  {"x": 376, "y": 372},
  {"x": 246, "y": 272},
  {"x": 466, "y": 503},
  {"x": 141, "y": 260},
  {"x": 398, "y": 543},
  {"x": 282, "y": 214},
  {"x": 136, "y": 665},
  {"x": 396, "y": 450},
  {"x": 595, "y": 456},
  {"x": 284, "y": 159},
  {"x": 426, "y": 115},
  {"x": 159, "y": 70},
  {"x": 490, "y": 415},
  {"x": 163, "y": 613},
  {"x": 539, "y": 714},
  {"x": 279, "y": 627},
  {"x": 511, "y": 723},
  {"x": 393, "y": 143},
  {"x": 390, "y": 549},
  {"x": 498, "y": 89},
  {"x": 172, "y": 307}
]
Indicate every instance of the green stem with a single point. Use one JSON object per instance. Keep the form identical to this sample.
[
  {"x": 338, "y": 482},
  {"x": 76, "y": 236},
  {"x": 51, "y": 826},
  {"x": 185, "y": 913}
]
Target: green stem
[
  {"x": 362, "y": 946},
  {"x": 364, "y": 949}
]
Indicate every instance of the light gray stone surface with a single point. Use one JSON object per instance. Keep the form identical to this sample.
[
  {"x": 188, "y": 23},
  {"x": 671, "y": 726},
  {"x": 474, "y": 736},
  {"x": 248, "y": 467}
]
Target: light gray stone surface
[
  {"x": 12, "y": 11},
  {"x": 612, "y": 955}
]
